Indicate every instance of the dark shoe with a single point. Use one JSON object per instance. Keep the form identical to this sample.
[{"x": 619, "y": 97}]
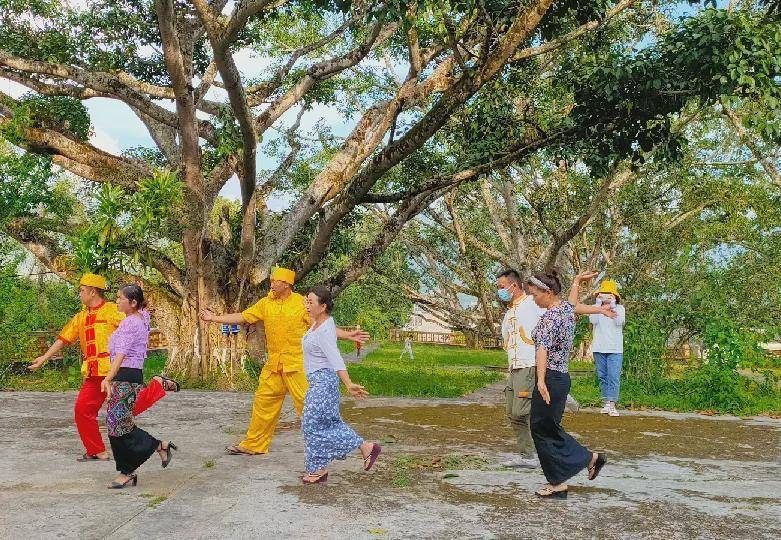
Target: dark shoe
[
  {"x": 168, "y": 453},
  {"x": 237, "y": 450},
  {"x": 368, "y": 461},
  {"x": 167, "y": 384},
  {"x": 122, "y": 485},
  {"x": 87, "y": 457},
  {"x": 593, "y": 472}
]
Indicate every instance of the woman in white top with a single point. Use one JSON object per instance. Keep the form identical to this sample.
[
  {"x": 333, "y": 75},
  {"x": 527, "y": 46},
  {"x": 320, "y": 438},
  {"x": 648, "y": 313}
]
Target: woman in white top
[
  {"x": 326, "y": 436},
  {"x": 608, "y": 345}
]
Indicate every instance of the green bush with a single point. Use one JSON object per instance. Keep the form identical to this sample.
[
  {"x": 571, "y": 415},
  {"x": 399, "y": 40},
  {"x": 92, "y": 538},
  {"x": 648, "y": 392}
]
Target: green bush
[{"x": 644, "y": 345}]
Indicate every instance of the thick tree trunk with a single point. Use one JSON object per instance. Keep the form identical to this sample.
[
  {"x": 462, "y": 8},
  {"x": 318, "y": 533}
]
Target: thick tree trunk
[{"x": 200, "y": 351}]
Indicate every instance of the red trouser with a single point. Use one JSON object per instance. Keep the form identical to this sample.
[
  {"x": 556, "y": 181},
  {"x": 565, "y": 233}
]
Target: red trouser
[{"x": 89, "y": 401}]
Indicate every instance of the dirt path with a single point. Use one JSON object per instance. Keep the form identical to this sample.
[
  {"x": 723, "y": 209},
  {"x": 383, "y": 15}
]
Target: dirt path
[{"x": 668, "y": 476}]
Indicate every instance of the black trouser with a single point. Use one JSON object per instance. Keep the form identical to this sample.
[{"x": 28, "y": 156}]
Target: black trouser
[{"x": 561, "y": 456}]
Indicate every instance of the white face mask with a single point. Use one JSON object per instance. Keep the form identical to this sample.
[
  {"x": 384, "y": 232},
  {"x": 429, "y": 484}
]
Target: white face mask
[{"x": 606, "y": 299}]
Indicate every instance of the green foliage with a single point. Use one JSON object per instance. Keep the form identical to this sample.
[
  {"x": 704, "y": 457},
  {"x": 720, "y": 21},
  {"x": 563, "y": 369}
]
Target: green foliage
[
  {"x": 717, "y": 383},
  {"x": 130, "y": 223},
  {"x": 24, "y": 184},
  {"x": 715, "y": 54},
  {"x": 59, "y": 112},
  {"x": 27, "y": 306},
  {"x": 644, "y": 345},
  {"x": 680, "y": 395}
]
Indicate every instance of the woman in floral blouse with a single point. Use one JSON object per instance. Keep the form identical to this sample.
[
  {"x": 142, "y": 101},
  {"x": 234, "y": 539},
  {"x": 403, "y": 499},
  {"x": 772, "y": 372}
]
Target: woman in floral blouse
[{"x": 561, "y": 456}]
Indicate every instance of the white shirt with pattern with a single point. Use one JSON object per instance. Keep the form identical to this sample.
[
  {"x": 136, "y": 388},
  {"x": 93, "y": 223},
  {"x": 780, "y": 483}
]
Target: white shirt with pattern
[{"x": 517, "y": 327}]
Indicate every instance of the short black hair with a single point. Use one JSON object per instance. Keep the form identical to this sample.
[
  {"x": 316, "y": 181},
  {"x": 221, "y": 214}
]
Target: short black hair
[
  {"x": 512, "y": 275},
  {"x": 324, "y": 296}
]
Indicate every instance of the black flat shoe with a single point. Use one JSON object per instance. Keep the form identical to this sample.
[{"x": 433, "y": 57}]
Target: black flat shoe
[
  {"x": 168, "y": 454},
  {"x": 87, "y": 457},
  {"x": 131, "y": 478},
  {"x": 167, "y": 381},
  {"x": 593, "y": 472}
]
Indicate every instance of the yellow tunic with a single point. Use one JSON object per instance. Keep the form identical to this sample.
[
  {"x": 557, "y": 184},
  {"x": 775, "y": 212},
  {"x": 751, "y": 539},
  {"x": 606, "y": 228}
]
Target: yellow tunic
[
  {"x": 93, "y": 327},
  {"x": 285, "y": 322}
]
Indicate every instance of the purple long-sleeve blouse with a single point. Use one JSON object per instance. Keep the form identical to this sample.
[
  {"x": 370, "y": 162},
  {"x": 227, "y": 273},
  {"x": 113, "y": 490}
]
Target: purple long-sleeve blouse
[{"x": 131, "y": 338}]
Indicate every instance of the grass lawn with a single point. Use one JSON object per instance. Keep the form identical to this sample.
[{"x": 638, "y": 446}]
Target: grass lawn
[
  {"x": 672, "y": 395},
  {"x": 437, "y": 371}
]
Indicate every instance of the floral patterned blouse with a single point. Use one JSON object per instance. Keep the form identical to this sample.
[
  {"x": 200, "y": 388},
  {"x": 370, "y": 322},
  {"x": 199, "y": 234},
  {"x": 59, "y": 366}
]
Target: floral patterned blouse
[{"x": 556, "y": 332}]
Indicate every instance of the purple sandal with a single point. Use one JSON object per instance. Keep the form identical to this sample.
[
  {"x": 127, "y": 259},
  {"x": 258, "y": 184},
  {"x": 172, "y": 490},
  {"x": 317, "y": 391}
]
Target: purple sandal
[{"x": 372, "y": 457}]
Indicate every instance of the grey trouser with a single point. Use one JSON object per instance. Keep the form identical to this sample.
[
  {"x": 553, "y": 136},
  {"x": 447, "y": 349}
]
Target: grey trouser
[{"x": 518, "y": 408}]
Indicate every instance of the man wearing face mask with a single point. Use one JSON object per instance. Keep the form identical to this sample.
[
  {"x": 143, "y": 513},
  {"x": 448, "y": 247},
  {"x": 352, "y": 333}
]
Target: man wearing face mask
[{"x": 522, "y": 316}]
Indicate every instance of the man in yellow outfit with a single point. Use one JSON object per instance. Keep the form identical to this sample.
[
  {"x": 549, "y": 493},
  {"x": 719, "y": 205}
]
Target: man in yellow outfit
[{"x": 285, "y": 320}]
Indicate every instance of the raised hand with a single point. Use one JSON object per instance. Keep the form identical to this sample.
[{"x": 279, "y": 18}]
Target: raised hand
[{"x": 587, "y": 275}]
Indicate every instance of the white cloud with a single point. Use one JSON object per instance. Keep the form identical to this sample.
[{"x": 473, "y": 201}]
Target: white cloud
[{"x": 104, "y": 141}]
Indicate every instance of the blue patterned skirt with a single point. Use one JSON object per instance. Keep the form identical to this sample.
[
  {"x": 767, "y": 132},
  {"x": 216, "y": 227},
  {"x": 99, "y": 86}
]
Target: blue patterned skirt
[{"x": 326, "y": 436}]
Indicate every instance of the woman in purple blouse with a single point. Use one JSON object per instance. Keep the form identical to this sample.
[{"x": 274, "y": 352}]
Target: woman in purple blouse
[{"x": 130, "y": 444}]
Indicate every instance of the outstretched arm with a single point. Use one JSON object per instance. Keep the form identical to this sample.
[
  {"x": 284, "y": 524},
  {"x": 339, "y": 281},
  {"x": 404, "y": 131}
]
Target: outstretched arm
[
  {"x": 56, "y": 347},
  {"x": 226, "y": 318},
  {"x": 352, "y": 335}
]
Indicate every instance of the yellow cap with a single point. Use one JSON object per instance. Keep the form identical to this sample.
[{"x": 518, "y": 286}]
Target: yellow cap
[
  {"x": 609, "y": 286},
  {"x": 284, "y": 274},
  {"x": 93, "y": 280}
]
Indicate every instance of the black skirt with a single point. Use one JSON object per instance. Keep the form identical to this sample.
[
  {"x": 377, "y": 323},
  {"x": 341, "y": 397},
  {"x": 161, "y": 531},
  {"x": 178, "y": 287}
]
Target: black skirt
[
  {"x": 130, "y": 444},
  {"x": 561, "y": 456}
]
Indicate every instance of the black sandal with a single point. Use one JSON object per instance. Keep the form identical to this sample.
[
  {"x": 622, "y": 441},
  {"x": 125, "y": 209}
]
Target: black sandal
[
  {"x": 121, "y": 485},
  {"x": 169, "y": 380},
  {"x": 593, "y": 471},
  {"x": 168, "y": 454},
  {"x": 88, "y": 457}
]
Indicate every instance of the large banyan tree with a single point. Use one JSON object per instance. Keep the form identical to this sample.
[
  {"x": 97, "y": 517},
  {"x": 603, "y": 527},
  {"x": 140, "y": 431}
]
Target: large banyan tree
[{"x": 415, "y": 80}]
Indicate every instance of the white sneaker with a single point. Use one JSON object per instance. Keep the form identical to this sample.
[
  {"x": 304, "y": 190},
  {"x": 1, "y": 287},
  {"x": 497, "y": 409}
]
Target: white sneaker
[
  {"x": 605, "y": 409},
  {"x": 572, "y": 404},
  {"x": 522, "y": 463},
  {"x": 613, "y": 411}
]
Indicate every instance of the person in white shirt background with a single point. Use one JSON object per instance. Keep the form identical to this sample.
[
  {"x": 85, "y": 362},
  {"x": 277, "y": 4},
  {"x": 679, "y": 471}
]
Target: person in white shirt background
[{"x": 608, "y": 345}]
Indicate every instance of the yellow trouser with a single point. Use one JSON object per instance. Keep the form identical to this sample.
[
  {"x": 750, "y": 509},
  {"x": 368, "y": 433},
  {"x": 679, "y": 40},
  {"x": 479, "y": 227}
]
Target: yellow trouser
[{"x": 272, "y": 388}]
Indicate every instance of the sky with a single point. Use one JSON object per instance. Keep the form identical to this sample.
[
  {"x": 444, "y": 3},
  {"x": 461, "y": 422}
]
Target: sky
[{"x": 115, "y": 128}]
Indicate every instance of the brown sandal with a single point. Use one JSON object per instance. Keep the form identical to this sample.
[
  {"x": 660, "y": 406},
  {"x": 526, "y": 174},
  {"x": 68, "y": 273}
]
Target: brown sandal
[
  {"x": 318, "y": 478},
  {"x": 549, "y": 492},
  {"x": 237, "y": 450}
]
